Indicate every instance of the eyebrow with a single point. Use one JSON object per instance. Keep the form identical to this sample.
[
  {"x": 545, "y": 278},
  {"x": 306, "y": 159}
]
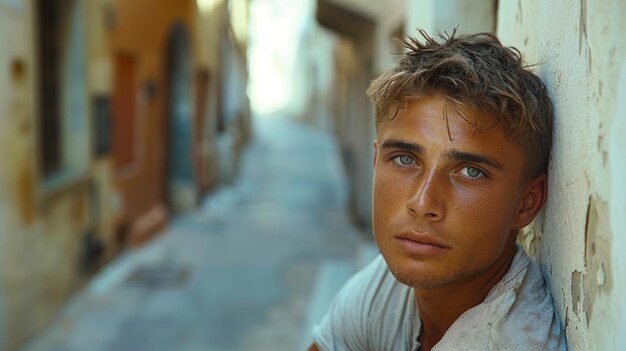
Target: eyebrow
[
  {"x": 402, "y": 145},
  {"x": 451, "y": 155},
  {"x": 474, "y": 158}
]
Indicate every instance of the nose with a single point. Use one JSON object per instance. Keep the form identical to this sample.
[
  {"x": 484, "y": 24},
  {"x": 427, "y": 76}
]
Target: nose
[{"x": 427, "y": 200}]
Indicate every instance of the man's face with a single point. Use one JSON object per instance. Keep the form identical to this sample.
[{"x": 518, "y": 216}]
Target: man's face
[{"x": 447, "y": 199}]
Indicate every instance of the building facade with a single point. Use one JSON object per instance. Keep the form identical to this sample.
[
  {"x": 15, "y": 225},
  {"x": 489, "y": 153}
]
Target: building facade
[{"x": 111, "y": 123}]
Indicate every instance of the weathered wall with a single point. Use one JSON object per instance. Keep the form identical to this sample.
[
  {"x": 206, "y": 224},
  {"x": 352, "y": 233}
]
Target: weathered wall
[
  {"x": 579, "y": 237},
  {"x": 43, "y": 224},
  {"x": 45, "y": 220},
  {"x": 16, "y": 54}
]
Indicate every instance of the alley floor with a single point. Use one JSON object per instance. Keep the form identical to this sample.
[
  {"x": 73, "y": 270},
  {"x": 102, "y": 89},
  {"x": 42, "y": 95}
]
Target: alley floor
[{"x": 253, "y": 268}]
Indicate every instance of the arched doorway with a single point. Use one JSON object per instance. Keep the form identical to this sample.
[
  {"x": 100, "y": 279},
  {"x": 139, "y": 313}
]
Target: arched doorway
[{"x": 181, "y": 193}]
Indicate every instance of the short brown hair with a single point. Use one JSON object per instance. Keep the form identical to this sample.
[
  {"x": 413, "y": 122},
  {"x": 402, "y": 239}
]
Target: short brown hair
[{"x": 473, "y": 71}]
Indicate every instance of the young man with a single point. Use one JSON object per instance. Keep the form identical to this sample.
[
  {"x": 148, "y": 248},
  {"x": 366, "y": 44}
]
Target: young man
[{"x": 462, "y": 149}]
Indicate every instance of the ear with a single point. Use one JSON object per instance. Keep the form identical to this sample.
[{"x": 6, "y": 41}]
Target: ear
[
  {"x": 533, "y": 198},
  {"x": 375, "y": 152}
]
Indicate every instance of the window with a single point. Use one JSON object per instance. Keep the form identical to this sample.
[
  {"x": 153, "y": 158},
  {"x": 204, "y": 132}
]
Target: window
[
  {"x": 49, "y": 118},
  {"x": 64, "y": 133}
]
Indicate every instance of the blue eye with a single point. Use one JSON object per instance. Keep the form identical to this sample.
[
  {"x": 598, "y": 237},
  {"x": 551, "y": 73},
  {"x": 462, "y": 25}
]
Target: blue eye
[
  {"x": 472, "y": 172},
  {"x": 404, "y": 160}
]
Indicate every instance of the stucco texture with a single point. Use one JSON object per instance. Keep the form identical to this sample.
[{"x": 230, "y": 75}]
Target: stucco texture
[{"x": 579, "y": 54}]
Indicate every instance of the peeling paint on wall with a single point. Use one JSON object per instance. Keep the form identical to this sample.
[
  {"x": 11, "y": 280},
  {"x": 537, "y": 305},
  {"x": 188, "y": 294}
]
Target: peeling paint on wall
[
  {"x": 597, "y": 278},
  {"x": 582, "y": 35},
  {"x": 579, "y": 47}
]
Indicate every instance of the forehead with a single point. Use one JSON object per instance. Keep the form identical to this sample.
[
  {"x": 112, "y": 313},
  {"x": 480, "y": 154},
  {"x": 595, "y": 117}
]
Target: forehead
[{"x": 435, "y": 121}]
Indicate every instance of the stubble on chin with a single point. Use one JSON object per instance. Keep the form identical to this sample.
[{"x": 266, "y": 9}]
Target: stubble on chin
[{"x": 419, "y": 279}]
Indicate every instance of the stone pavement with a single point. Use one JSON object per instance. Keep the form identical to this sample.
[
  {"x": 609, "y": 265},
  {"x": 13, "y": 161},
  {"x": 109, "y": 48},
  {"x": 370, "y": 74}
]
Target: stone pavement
[{"x": 253, "y": 268}]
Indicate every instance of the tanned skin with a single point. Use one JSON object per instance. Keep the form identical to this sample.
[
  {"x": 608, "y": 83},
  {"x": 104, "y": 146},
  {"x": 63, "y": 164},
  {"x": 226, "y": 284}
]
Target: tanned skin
[{"x": 448, "y": 201}]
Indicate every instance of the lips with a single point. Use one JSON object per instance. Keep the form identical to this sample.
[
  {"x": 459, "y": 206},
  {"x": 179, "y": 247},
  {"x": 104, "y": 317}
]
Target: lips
[{"x": 420, "y": 243}]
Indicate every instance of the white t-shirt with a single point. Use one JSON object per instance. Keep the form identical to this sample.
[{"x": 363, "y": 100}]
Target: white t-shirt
[{"x": 373, "y": 311}]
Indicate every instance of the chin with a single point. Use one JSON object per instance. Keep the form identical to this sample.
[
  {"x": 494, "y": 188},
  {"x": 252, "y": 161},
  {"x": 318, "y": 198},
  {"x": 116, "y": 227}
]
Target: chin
[
  {"x": 420, "y": 274},
  {"x": 420, "y": 281}
]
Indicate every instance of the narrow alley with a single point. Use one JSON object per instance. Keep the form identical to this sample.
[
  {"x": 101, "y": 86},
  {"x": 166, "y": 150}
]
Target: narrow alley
[
  {"x": 196, "y": 175},
  {"x": 244, "y": 271}
]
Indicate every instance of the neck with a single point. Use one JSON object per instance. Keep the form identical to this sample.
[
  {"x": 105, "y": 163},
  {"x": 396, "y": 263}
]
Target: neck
[{"x": 440, "y": 307}]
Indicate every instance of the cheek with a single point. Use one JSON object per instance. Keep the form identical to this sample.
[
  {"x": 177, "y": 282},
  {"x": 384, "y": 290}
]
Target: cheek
[
  {"x": 491, "y": 209},
  {"x": 387, "y": 195}
]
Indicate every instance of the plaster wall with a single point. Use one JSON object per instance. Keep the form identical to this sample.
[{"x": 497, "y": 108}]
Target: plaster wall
[
  {"x": 42, "y": 227},
  {"x": 7, "y": 79},
  {"x": 579, "y": 237}
]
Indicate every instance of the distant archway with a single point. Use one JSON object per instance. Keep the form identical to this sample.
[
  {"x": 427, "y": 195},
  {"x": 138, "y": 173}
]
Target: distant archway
[{"x": 180, "y": 183}]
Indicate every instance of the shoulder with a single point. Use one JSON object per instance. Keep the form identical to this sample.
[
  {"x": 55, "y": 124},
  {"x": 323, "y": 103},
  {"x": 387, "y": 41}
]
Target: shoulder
[
  {"x": 532, "y": 321},
  {"x": 359, "y": 309},
  {"x": 518, "y": 313}
]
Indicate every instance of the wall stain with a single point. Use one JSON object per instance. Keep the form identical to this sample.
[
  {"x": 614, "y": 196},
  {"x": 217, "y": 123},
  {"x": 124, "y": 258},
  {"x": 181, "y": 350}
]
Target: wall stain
[
  {"x": 600, "y": 84},
  {"x": 576, "y": 290},
  {"x": 612, "y": 52},
  {"x": 587, "y": 223},
  {"x": 582, "y": 31},
  {"x": 18, "y": 71},
  {"x": 598, "y": 277},
  {"x": 589, "y": 61},
  {"x": 26, "y": 195}
]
